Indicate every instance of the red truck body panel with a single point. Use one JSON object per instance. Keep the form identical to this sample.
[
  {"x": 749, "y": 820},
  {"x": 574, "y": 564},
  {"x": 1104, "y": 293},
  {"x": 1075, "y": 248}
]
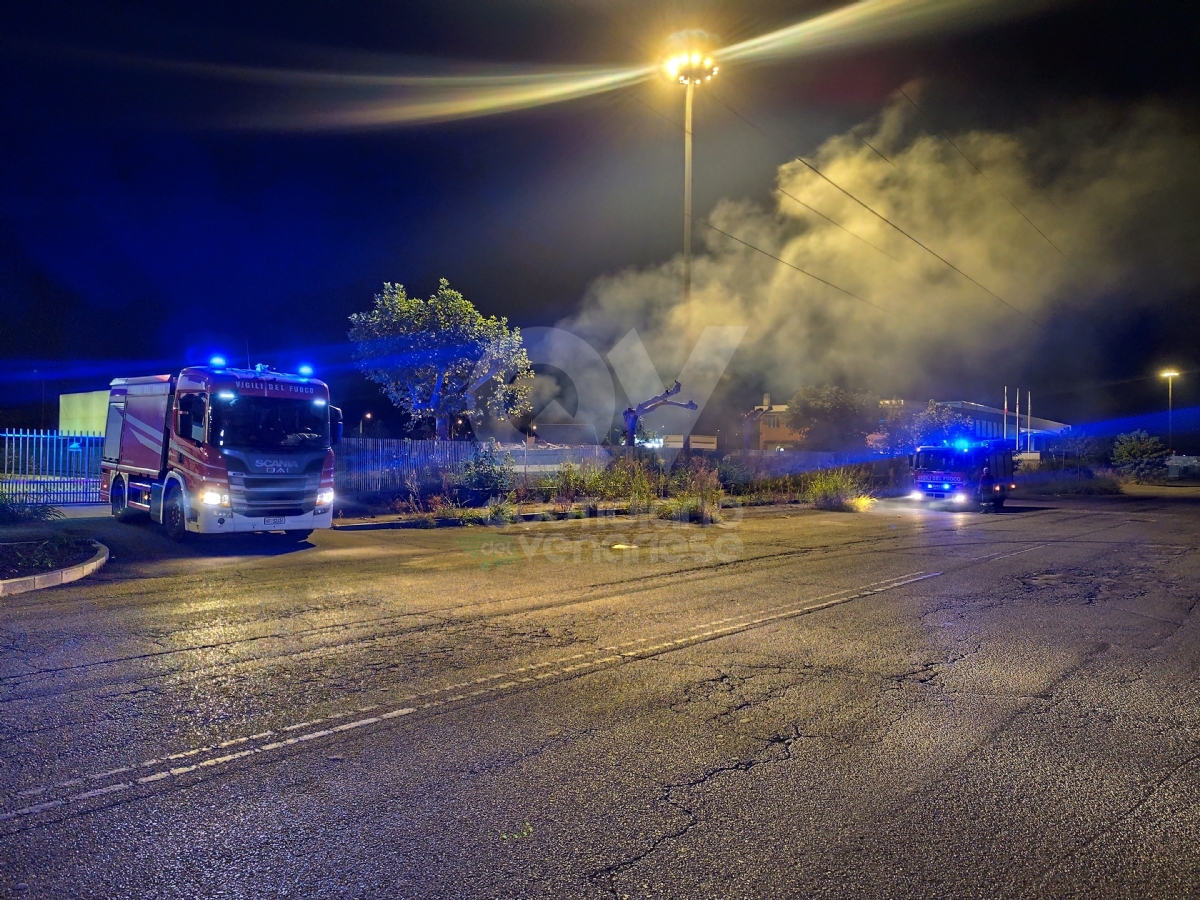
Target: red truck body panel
[
  {"x": 144, "y": 435},
  {"x": 220, "y": 438}
]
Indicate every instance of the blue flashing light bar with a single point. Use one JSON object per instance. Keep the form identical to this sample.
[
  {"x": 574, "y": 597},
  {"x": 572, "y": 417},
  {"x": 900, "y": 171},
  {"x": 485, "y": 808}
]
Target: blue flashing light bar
[
  {"x": 217, "y": 362},
  {"x": 305, "y": 370}
]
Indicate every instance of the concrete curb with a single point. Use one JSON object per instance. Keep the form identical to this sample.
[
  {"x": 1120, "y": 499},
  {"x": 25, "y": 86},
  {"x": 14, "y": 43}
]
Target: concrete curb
[{"x": 11, "y": 586}]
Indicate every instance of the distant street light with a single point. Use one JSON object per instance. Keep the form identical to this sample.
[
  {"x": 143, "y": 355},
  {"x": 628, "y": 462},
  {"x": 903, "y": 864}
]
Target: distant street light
[
  {"x": 1170, "y": 375},
  {"x": 360, "y": 423},
  {"x": 691, "y": 67}
]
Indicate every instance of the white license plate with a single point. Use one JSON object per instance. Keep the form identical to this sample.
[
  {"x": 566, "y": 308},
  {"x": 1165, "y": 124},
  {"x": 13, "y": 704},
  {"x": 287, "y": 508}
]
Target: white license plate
[{"x": 274, "y": 520}]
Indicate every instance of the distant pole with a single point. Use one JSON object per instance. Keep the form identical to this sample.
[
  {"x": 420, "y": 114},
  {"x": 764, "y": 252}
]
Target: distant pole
[
  {"x": 687, "y": 189},
  {"x": 1170, "y": 375},
  {"x": 1006, "y": 415},
  {"x": 1029, "y": 421},
  {"x": 1017, "y": 419}
]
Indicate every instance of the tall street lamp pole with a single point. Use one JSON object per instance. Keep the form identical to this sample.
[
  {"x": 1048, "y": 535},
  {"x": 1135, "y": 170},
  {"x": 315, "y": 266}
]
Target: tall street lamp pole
[
  {"x": 1170, "y": 375},
  {"x": 689, "y": 95},
  {"x": 689, "y": 68}
]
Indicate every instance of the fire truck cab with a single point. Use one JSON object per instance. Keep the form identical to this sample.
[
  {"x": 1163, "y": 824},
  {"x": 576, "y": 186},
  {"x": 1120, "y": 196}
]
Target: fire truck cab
[
  {"x": 215, "y": 450},
  {"x": 949, "y": 473}
]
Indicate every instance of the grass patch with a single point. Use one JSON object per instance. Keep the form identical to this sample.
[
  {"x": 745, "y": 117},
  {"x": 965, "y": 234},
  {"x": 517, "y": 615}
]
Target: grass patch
[
  {"x": 690, "y": 508},
  {"x": 18, "y": 512},
  {"x": 35, "y": 557},
  {"x": 844, "y": 489},
  {"x": 1098, "y": 485}
]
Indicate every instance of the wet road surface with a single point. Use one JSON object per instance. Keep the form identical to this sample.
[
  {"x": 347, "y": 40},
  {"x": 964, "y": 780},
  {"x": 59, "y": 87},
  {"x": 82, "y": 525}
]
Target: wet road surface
[{"x": 800, "y": 704}]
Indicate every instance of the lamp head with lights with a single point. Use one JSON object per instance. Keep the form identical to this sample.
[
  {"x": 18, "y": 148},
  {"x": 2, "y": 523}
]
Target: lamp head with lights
[
  {"x": 1169, "y": 373},
  {"x": 690, "y": 67}
]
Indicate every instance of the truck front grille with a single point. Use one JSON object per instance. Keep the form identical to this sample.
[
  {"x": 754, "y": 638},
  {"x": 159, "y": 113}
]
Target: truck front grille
[{"x": 273, "y": 496}]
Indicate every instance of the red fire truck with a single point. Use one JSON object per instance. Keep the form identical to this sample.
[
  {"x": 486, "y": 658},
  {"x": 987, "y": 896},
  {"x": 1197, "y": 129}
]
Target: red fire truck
[
  {"x": 215, "y": 450},
  {"x": 950, "y": 473}
]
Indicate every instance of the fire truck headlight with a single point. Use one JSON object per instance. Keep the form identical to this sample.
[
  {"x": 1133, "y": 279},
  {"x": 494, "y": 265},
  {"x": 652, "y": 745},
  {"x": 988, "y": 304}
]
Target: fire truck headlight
[
  {"x": 324, "y": 498},
  {"x": 916, "y": 495},
  {"x": 960, "y": 498},
  {"x": 214, "y": 498}
]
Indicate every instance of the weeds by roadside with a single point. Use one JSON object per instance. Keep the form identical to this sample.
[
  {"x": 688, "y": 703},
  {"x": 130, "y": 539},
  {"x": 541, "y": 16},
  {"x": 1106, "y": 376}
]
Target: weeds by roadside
[
  {"x": 32, "y": 557},
  {"x": 692, "y": 490},
  {"x": 845, "y": 489},
  {"x": 20, "y": 512}
]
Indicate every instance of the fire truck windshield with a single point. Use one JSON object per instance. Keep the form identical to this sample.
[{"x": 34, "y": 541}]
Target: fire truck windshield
[
  {"x": 268, "y": 423},
  {"x": 947, "y": 459}
]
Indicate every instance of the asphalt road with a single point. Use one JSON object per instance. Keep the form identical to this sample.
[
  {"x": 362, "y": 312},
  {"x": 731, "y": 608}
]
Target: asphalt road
[{"x": 894, "y": 704}]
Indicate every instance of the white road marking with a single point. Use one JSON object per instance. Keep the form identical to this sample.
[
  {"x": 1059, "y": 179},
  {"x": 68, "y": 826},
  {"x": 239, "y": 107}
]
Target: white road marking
[
  {"x": 616, "y": 655},
  {"x": 1018, "y": 552}
]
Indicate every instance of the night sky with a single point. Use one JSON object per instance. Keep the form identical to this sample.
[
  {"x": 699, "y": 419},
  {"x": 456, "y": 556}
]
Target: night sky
[{"x": 139, "y": 232}]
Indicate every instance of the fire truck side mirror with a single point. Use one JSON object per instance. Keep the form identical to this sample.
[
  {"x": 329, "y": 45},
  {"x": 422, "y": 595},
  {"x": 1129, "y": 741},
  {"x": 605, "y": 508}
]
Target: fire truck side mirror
[{"x": 335, "y": 426}]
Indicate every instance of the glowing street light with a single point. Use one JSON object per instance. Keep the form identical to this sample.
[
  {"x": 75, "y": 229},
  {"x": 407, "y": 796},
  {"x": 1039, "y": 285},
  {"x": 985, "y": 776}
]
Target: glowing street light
[
  {"x": 689, "y": 68},
  {"x": 1170, "y": 375},
  {"x": 360, "y": 423}
]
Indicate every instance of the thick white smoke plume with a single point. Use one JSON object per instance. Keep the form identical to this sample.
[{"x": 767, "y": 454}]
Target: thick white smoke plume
[{"x": 1115, "y": 190}]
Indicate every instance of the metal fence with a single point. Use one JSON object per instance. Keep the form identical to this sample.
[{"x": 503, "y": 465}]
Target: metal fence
[
  {"x": 378, "y": 464},
  {"x": 47, "y": 467},
  {"x": 367, "y": 465}
]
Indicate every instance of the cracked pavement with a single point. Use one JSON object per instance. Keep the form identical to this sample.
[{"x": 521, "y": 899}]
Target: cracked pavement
[{"x": 897, "y": 704}]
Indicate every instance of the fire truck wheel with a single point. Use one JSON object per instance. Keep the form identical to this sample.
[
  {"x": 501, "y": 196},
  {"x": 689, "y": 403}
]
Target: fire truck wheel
[
  {"x": 117, "y": 497},
  {"x": 174, "y": 522}
]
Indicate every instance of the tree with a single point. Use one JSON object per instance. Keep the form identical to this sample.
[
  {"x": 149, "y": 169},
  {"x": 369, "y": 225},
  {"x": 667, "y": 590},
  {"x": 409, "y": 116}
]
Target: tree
[
  {"x": 632, "y": 415},
  {"x": 904, "y": 428},
  {"x": 1140, "y": 456},
  {"x": 831, "y": 418},
  {"x": 434, "y": 358},
  {"x": 1080, "y": 451}
]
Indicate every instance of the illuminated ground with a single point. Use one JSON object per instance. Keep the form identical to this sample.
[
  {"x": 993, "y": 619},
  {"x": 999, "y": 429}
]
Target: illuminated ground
[{"x": 1002, "y": 705}]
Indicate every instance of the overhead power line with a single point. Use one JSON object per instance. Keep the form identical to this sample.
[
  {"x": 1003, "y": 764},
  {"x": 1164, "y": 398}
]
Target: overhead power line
[
  {"x": 871, "y": 148},
  {"x": 767, "y": 253},
  {"x": 878, "y": 215},
  {"x": 811, "y": 209},
  {"x": 991, "y": 184},
  {"x": 790, "y": 266},
  {"x": 983, "y": 101}
]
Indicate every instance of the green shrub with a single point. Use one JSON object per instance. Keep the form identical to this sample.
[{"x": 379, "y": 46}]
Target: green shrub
[
  {"x": 488, "y": 471},
  {"x": 689, "y": 508},
  {"x": 500, "y": 512},
  {"x": 844, "y": 489},
  {"x": 569, "y": 484},
  {"x": 20, "y": 512},
  {"x": 1139, "y": 456}
]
